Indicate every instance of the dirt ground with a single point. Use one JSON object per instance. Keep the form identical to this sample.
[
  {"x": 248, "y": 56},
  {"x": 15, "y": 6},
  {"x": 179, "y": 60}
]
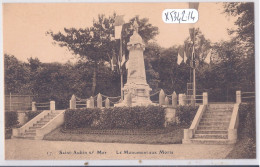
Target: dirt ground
[{"x": 22, "y": 149}]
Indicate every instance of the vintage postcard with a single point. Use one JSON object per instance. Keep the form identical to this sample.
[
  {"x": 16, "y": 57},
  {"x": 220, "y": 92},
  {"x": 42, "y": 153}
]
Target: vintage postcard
[{"x": 130, "y": 81}]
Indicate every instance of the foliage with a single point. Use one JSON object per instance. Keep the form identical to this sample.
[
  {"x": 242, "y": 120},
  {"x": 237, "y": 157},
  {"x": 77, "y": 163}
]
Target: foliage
[
  {"x": 186, "y": 114},
  {"x": 31, "y": 114},
  {"x": 95, "y": 44},
  {"x": 245, "y": 148},
  {"x": 80, "y": 118},
  {"x": 151, "y": 117},
  {"x": 247, "y": 121},
  {"x": 16, "y": 75},
  {"x": 11, "y": 119}
]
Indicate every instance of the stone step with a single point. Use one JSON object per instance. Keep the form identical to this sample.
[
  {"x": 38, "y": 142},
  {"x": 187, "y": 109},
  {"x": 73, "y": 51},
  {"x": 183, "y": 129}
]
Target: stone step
[
  {"x": 210, "y": 141},
  {"x": 23, "y": 137},
  {"x": 31, "y": 130},
  {"x": 33, "y": 127},
  {"x": 30, "y": 133},
  {"x": 220, "y": 109},
  {"x": 215, "y": 119},
  {"x": 211, "y": 136},
  {"x": 221, "y": 105},
  {"x": 217, "y": 113},
  {"x": 211, "y": 132},
  {"x": 49, "y": 117},
  {"x": 38, "y": 125},
  {"x": 203, "y": 127},
  {"x": 215, "y": 116},
  {"x": 43, "y": 121},
  {"x": 214, "y": 123}
]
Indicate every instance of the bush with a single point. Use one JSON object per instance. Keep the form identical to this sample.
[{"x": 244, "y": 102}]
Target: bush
[
  {"x": 31, "y": 114},
  {"x": 11, "y": 119},
  {"x": 150, "y": 117},
  {"x": 245, "y": 148},
  {"x": 186, "y": 114},
  {"x": 80, "y": 118},
  {"x": 247, "y": 124}
]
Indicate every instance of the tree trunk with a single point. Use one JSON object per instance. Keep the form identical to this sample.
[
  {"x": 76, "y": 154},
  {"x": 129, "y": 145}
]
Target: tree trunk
[{"x": 94, "y": 80}]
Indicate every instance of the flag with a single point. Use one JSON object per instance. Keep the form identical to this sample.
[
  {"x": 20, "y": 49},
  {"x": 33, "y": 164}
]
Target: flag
[
  {"x": 179, "y": 59},
  {"x": 123, "y": 60},
  {"x": 192, "y": 34},
  {"x": 118, "y": 30},
  {"x": 184, "y": 57},
  {"x": 193, "y": 57},
  {"x": 208, "y": 57},
  {"x": 113, "y": 62},
  {"x": 119, "y": 21},
  {"x": 112, "y": 65},
  {"x": 194, "y": 5}
]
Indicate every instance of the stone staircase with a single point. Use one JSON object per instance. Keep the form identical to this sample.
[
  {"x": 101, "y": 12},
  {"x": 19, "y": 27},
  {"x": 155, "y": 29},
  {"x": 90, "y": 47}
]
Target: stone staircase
[
  {"x": 31, "y": 130},
  {"x": 213, "y": 125}
]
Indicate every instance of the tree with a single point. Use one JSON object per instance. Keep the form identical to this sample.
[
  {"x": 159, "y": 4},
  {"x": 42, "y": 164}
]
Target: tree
[
  {"x": 16, "y": 75},
  {"x": 95, "y": 45},
  {"x": 244, "y": 40}
]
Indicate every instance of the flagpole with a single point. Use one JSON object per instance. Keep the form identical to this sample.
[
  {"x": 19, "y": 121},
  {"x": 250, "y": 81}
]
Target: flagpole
[
  {"x": 121, "y": 70},
  {"x": 194, "y": 71}
]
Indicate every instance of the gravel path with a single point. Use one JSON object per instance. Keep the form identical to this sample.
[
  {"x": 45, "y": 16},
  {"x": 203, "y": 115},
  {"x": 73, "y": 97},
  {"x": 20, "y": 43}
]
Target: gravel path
[{"x": 21, "y": 149}]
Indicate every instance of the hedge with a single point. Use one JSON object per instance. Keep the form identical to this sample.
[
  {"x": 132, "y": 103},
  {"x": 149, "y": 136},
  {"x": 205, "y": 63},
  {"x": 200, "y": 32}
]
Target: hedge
[
  {"x": 186, "y": 114},
  {"x": 11, "y": 119},
  {"x": 31, "y": 114},
  {"x": 247, "y": 120},
  {"x": 150, "y": 117}
]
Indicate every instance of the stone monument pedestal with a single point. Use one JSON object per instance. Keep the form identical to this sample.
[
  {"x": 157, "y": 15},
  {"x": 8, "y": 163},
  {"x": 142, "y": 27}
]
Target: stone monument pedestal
[{"x": 136, "y": 78}]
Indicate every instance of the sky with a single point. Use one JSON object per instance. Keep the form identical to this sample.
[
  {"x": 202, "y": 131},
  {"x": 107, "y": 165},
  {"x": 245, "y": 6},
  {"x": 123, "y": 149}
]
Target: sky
[{"x": 25, "y": 25}]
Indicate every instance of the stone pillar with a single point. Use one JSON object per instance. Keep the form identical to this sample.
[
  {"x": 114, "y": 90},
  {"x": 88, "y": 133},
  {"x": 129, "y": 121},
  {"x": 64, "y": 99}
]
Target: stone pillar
[
  {"x": 88, "y": 103},
  {"x": 187, "y": 134},
  {"x": 205, "y": 98},
  {"x": 73, "y": 102},
  {"x": 166, "y": 101},
  {"x": 161, "y": 97},
  {"x": 174, "y": 99},
  {"x": 232, "y": 134},
  {"x": 184, "y": 99},
  {"x": 99, "y": 101},
  {"x": 238, "y": 97},
  {"x": 34, "y": 108},
  {"x": 91, "y": 102},
  {"x": 107, "y": 103},
  {"x": 181, "y": 100},
  {"x": 192, "y": 100},
  {"x": 52, "y": 105},
  {"x": 129, "y": 99}
]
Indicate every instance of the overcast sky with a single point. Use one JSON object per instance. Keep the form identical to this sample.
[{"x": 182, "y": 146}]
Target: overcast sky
[{"x": 25, "y": 25}]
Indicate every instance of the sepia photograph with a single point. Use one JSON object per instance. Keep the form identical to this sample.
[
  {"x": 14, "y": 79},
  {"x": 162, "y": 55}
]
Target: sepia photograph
[{"x": 129, "y": 81}]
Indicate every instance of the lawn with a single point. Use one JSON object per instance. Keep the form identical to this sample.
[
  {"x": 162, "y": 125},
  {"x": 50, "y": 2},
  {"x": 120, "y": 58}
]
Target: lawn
[
  {"x": 245, "y": 148},
  {"x": 172, "y": 135}
]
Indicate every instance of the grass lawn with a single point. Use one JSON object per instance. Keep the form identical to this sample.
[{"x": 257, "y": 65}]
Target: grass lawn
[
  {"x": 174, "y": 135},
  {"x": 245, "y": 148}
]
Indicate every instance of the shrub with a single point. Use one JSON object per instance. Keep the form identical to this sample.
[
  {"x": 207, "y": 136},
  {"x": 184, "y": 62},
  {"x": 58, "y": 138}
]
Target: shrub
[
  {"x": 11, "y": 119},
  {"x": 31, "y": 114},
  {"x": 186, "y": 114},
  {"x": 247, "y": 124},
  {"x": 80, "y": 118},
  {"x": 150, "y": 117}
]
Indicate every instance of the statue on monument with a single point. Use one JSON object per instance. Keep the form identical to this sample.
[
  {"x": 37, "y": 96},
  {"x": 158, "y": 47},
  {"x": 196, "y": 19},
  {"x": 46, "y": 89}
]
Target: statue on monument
[{"x": 136, "y": 84}]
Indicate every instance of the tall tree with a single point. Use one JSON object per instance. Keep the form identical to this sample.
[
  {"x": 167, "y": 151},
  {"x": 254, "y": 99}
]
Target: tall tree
[
  {"x": 96, "y": 45},
  {"x": 244, "y": 39}
]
